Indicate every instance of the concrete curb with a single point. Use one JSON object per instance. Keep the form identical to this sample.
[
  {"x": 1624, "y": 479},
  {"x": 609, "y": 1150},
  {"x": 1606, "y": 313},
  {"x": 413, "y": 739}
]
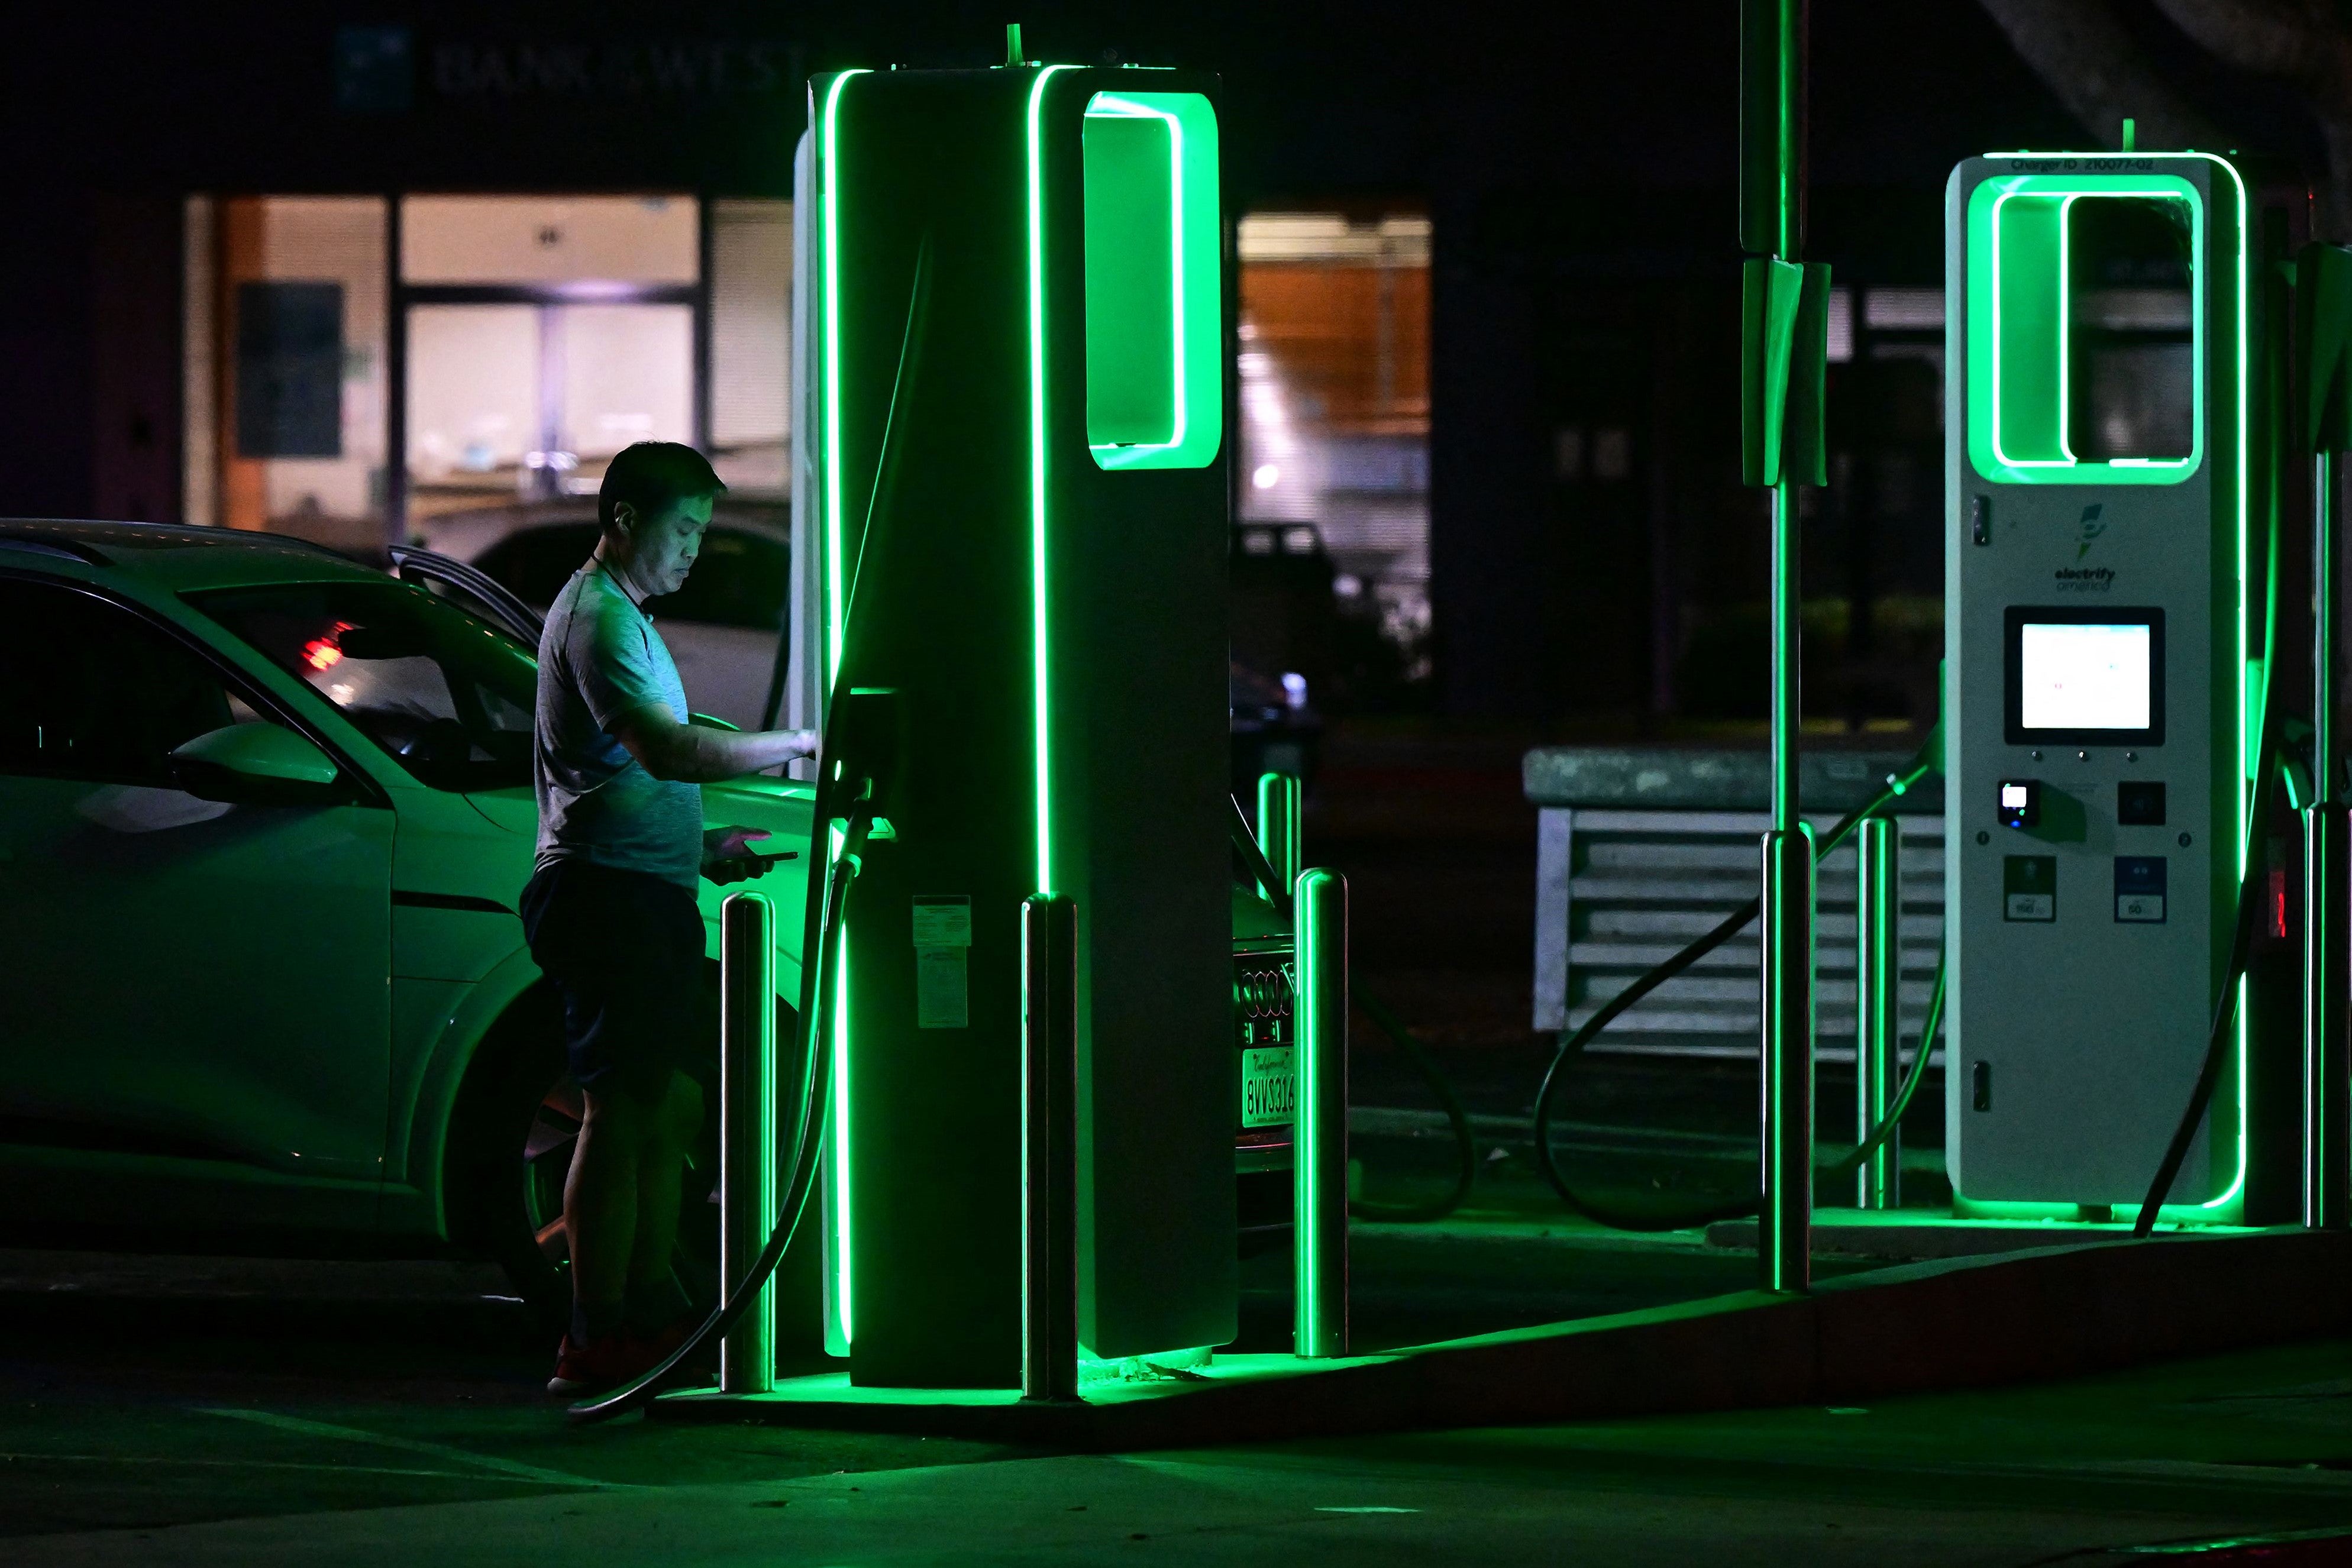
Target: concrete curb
[{"x": 2059, "y": 1311}]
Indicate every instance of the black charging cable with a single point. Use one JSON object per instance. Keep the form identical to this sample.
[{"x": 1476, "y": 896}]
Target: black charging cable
[
  {"x": 1574, "y": 1041},
  {"x": 2225, "y": 1009},
  {"x": 816, "y": 1051}
]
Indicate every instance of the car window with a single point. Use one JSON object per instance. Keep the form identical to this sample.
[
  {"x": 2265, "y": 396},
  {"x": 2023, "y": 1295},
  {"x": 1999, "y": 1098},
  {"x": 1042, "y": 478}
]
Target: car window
[
  {"x": 741, "y": 579},
  {"x": 446, "y": 696},
  {"x": 465, "y": 599},
  {"x": 534, "y": 563},
  {"x": 91, "y": 690}
]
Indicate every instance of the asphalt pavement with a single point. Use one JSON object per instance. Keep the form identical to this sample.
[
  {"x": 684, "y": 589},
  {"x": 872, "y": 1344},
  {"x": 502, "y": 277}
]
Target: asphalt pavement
[
  {"x": 169, "y": 1411},
  {"x": 165, "y": 1410}
]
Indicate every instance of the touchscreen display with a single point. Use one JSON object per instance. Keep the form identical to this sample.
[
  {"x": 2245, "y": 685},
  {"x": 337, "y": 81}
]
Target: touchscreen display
[{"x": 2086, "y": 675}]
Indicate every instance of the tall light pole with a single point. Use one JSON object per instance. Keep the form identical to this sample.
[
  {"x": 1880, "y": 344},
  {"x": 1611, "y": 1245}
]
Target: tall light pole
[{"x": 1784, "y": 329}]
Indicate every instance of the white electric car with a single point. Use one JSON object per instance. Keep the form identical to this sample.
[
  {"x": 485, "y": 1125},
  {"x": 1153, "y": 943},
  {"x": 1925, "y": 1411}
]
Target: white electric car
[{"x": 263, "y": 815}]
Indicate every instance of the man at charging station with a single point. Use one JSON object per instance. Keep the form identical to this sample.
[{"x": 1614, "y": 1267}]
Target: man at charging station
[{"x": 609, "y": 910}]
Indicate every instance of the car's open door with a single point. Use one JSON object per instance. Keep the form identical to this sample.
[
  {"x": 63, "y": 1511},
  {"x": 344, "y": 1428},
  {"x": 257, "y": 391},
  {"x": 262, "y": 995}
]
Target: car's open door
[{"x": 473, "y": 591}]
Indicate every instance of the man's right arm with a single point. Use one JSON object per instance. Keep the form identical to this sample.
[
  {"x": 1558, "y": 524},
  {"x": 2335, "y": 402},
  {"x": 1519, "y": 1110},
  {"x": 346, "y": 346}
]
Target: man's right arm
[{"x": 694, "y": 753}]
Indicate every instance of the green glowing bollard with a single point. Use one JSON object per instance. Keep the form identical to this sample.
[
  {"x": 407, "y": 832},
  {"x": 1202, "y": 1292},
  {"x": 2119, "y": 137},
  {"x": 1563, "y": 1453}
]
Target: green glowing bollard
[
  {"x": 1319, "y": 1135},
  {"x": 1277, "y": 825}
]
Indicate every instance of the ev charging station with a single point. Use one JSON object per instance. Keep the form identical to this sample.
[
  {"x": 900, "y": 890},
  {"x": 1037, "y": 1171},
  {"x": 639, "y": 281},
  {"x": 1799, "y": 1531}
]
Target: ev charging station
[
  {"x": 2101, "y": 696},
  {"x": 1010, "y": 501},
  {"x": 1014, "y": 406}
]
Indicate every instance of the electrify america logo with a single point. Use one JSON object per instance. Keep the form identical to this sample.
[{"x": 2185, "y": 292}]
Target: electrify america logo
[{"x": 2081, "y": 579}]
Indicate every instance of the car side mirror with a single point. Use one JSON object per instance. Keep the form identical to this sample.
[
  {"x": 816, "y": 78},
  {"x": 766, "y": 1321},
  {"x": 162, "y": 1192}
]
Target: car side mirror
[{"x": 258, "y": 764}]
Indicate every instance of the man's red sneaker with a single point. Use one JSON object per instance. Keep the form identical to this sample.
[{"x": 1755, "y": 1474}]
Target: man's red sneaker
[{"x": 599, "y": 1365}]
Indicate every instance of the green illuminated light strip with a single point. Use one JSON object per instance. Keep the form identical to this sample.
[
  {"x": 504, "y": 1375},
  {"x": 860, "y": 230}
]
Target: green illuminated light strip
[
  {"x": 2065, "y": 320},
  {"x": 2245, "y": 787},
  {"x": 836, "y": 628},
  {"x": 844, "y": 1317},
  {"x": 829, "y": 200},
  {"x": 2160, "y": 469},
  {"x": 1039, "y": 645},
  {"x": 1108, "y": 105}
]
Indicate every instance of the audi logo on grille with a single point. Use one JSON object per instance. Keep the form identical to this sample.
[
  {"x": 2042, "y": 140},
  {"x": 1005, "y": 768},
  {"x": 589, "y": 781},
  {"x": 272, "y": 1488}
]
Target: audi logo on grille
[{"x": 1263, "y": 993}]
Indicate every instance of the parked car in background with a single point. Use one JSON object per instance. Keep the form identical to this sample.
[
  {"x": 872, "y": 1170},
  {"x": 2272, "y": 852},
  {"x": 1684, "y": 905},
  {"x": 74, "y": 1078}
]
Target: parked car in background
[
  {"x": 1275, "y": 729},
  {"x": 724, "y": 628}
]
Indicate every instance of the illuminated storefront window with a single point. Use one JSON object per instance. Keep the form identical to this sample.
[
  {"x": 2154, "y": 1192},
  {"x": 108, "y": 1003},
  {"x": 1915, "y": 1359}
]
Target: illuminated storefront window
[
  {"x": 1334, "y": 369},
  {"x": 512, "y": 346}
]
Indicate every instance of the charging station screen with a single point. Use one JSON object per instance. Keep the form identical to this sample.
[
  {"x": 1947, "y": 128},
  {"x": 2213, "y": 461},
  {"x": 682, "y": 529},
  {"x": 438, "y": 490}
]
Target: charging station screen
[
  {"x": 2077, "y": 676},
  {"x": 2084, "y": 677}
]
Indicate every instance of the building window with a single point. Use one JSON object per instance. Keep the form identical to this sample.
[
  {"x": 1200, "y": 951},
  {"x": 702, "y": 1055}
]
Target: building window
[
  {"x": 751, "y": 344},
  {"x": 1334, "y": 368},
  {"x": 519, "y": 343},
  {"x": 285, "y": 372}
]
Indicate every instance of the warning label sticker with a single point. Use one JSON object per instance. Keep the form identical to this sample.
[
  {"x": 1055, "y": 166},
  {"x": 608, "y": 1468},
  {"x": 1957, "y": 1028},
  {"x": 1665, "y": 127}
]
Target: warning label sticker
[
  {"x": 943, "y": 988},
  {"x": 942, "y": 929},
  {"x": 942, "y": 920}
]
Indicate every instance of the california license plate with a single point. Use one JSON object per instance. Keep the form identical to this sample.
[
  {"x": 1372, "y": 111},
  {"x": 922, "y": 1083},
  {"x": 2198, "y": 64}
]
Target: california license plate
[{"x": 1269, "y": 1086}]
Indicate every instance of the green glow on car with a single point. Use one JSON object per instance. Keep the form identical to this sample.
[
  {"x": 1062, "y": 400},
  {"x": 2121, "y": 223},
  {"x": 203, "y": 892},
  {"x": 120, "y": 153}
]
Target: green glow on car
[{"x": 1040, "y": 645}]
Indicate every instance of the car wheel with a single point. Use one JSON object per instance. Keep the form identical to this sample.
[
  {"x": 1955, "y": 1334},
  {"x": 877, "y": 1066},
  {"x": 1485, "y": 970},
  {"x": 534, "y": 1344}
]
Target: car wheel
[{"x": 515, "y": 1139}]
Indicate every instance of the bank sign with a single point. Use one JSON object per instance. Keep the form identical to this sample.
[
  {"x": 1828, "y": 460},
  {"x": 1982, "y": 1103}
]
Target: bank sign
[{"x": 383, "y": 70}]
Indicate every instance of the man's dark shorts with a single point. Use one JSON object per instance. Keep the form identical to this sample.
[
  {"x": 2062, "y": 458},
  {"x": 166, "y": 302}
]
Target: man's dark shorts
[{"x": 626, "y": 951}]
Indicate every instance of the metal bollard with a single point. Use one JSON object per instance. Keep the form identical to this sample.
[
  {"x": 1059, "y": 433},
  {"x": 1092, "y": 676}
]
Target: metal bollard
[
  {"x": 1277, "y": 825},
  {"x": 2328, "y": 1074},
  {"x": 1318, "y": 1144},
  {"x": 1784, "y": 1224},
  {"x": 1049, "y": 1147},
  {"x": 1878, "y": 1010},
  {"x": 2326, "y": 877},
  {"x": 746, "y": 1131}
]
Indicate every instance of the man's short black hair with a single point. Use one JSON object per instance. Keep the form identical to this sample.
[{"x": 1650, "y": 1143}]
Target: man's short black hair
[{"x": 652, "y": 477}]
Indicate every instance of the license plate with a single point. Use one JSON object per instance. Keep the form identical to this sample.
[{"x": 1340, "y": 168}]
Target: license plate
[{"x": 1269, "y": 1086}]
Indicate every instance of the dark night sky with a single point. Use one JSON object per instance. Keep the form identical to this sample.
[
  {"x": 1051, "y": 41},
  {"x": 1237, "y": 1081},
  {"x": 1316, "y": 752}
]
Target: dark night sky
[
  {"x": 1379, "y": 99},
  {"x": 1577, "y": 140}
]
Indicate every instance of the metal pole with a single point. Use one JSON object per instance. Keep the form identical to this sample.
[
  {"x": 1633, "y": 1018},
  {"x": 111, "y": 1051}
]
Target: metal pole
[
  {"x": 1772, "y": 177},
  {"x": 1878, "y": 1011},
  {"x": 2327, "y": 878},
  {"x": 1784, "y": 1224},
  {"x": 1320, "y": 1134},
  {"x": 1277, "y": 825},
  {"x": 746, "y": 1131},
  {"x": 1049, "y": 1147}
]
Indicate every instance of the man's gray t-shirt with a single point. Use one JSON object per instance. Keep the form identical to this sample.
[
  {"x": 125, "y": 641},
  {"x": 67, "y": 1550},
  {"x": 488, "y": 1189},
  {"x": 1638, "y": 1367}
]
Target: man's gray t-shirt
[{"x": 599, "y": 657}]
